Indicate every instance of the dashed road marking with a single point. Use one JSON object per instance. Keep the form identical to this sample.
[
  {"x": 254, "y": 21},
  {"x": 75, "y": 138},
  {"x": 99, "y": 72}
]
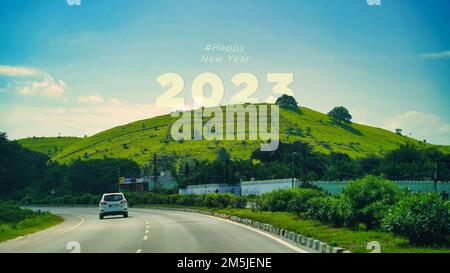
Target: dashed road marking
[
  {"x": 139, "y": 251},
  {"x": 146, "y": 231},
  {"x": 145, "y": 237}
]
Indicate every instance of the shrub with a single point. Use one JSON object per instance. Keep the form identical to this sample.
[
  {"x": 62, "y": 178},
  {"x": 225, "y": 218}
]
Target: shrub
[
  {"x": 288, "y": 199},
  {"x": 188, "y": 200},
  {"x": 86, "y": 198},
  {"x": 423, "y": 218},
  {"x": 221, "y": 200},
  {"x": 156, "y": 199},
  {"x": 95, "y": 200},
  {"x": 45, "y": 201},
  {"x": 330, "y": 209},
  {"x": 276, "y": 200},
  {"x": 68, "y": 199},
  {"x": 370, "y": 199},
  {"x": 298, "y": 203},
  {"x": 27, "y": 200},
  {"x": 13, "y": 214}
]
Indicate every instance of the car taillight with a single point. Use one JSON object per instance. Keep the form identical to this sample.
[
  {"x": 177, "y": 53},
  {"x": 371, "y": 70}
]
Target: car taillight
[
  {"x": 123, "y": 202},
  {"x": 103, "y": 203}
]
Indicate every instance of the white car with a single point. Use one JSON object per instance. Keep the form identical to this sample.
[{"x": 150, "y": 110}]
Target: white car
[{"x": 113, "y": 204}]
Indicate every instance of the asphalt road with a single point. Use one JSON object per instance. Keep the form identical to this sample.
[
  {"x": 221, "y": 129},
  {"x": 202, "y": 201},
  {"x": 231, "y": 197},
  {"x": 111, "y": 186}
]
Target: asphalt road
[{"x": 147, "y": 230}]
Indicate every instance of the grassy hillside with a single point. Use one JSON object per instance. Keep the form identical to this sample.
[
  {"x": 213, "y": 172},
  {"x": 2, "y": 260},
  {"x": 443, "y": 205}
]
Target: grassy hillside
[
  {"x": 47, "y": 145},
  {"x": 138, "y": 140}
]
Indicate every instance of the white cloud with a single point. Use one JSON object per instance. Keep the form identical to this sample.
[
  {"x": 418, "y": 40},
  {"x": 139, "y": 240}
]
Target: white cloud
[
  {"x": 23, "y": 121},
  {"x": 13, "y": 71},
  {"x": 436, "y": 55},
  {"x": 30, "y": 81},
  {"x": 98, "y": 99},
  {"x": 360, "y": 116},
  {"x": 93, "y": 99},
  {"x": 116, "y": 101},
  {"x": 421, "y": 126}
]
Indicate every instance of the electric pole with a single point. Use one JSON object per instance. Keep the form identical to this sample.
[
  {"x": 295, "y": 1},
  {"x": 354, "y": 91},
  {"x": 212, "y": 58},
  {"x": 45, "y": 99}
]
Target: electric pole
[
  {"x": 292, "y": 168},
  {"x": 435, "y": 176},
  {"x": 155, "y": 173},
  {"x": 118, "y": 174},
  {"x": 304, "y": 163}
]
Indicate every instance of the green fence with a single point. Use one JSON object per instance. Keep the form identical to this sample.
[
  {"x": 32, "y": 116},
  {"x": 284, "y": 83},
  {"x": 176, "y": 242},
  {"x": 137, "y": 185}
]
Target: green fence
[{"x": 334, "y": 187}]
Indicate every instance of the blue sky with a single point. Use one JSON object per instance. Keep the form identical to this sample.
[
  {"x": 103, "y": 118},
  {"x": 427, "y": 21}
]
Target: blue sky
[{"x": 78, "y": 70}]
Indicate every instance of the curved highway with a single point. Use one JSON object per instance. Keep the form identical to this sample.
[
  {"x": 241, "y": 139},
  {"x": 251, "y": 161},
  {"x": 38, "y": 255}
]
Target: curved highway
[{"x": 147, "y": 231}]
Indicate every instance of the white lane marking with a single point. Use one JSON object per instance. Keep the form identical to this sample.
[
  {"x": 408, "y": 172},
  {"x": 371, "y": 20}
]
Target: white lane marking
[
  {"x": 283, "y": 242},
  {"x": 145, "y": 238},
  {"x": 82, "y": 220},
  {"x": 139, "y": 251},
  {"x": 147, "y": 226},
  {"x": 146, "y": 231}
]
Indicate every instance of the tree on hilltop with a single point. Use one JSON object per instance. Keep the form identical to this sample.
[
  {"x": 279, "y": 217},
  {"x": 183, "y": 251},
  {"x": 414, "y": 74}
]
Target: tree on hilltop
[{"x": 340, "y": 114}]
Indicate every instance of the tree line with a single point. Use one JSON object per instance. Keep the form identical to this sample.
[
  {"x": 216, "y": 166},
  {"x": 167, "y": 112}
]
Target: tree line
[
  {"x": 298, "y": 159},
  {"x": 24, "y": 172}
]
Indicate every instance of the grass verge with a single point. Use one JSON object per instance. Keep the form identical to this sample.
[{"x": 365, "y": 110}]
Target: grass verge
[
  {"x": 42, "y": 221},
  {"x": 353, "y": 240}
]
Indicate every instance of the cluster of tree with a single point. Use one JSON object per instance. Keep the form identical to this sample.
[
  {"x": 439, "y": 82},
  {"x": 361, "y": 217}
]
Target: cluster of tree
[
  {"x": 338, "y": 114},
  {"x": 370, "y": 203},
  {"x": 408, "y": 162},
  {"x": 287, "y": 102},
  {"x": 24, "y": 172}
]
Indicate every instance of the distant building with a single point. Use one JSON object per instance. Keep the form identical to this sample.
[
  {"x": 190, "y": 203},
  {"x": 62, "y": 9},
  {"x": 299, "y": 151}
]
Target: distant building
[
  {"x": 244, "y": 188},
  {"x": 148, "y": 183},
  {"x": 258, "y": 187},
  {"x": 212, "y": 188}
]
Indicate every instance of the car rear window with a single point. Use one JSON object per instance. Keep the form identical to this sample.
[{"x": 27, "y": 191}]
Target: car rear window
[{"x": 113, "y": 197}]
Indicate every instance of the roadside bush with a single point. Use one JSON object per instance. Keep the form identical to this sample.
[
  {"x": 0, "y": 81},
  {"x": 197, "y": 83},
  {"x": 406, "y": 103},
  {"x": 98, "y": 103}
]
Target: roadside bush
[
  {"x": 27, "y": 200},
  {"x": 423, "y": 218},
  {"x": 330, "y": 209},
  {"x": 35, "y": 221},
  {"x": 222, "y": 200},
  {"x": 293, "y": 200},
  {"x": 298, "y": 203},
  {"x": 95, "y": 200},
  {"x": 14, "y": 214},
  {"x": 370, "y": 199},
  {"x": 77, "y": 200},
  {"x": 188, "y": 200},
  {"x": 134, "y": 198},
  {"x": 68, "y": 199},
  {"x": 157, "y": 199},
  {"x": 45, "y": 201},
  {"x": 86, "y": 199}
]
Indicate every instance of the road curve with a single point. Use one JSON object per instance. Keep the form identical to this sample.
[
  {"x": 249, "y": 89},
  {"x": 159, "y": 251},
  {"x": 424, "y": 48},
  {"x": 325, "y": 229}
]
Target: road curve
[{"x": 147, "y": 231}]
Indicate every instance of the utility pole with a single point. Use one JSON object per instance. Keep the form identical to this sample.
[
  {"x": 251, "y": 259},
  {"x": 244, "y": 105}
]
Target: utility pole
[
  {"x": 292, "y": 168},
  {"x": 118, "y": 175},
  {"x": 435, "y": 176},
  {"x": 304, "y": 163},
  {"x": 155, "y": 173}
]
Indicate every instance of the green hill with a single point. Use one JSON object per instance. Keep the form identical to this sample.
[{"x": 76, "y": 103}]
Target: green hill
[
  {"x": 47, "y": 145},
  {"x": 140, "y": 139}
]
